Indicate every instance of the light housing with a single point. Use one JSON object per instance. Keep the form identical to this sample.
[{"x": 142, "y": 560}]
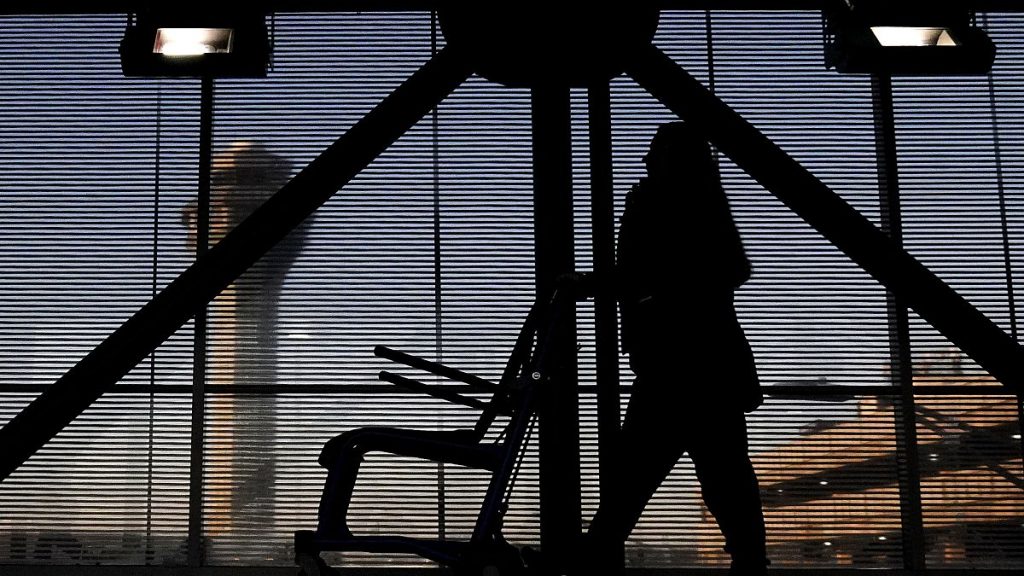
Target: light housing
[
  {"x": 904, "y": 38},
  {"x": 219, "y": 44}
]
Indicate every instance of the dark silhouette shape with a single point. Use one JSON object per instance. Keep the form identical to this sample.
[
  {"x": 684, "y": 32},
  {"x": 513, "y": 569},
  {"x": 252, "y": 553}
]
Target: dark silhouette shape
[
  {"x": 558, "y": 443},
  {"x": 679, "y": 260},
  {"x": 531, "y": 373}
]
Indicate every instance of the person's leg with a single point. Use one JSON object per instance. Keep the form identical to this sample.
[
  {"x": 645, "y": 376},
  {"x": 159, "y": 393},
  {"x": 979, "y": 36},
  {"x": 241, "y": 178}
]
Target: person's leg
[
  {"x": 649, "y": 447},
  {"x": 729, "y": 486}
]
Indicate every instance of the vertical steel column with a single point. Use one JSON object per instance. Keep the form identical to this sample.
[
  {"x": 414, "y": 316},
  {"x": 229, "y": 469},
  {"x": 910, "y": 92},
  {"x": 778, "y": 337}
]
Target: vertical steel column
[
  {"x": 195, "y": 484},
  {"x": 1011, "y": 298},
  {"x": 560, "y": 521},
  {"x": 438, "y": 319},
  {"x": 606, "y": 325},
  {"x": 152, "y": 357},
  {"x": 901, "y": 360},
  {"x": 150, "y": 553}
]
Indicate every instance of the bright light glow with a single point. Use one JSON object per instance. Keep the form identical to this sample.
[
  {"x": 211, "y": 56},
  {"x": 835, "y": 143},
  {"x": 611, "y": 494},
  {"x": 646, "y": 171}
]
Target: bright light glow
[
  {"x": 193, "y": 41},
  {"x": 299, "y": 335},
  {"x": 828, "y": 543},
  {"x": 883, "y": 538},
  {"x": 1016, "y": 436},
  {"x": 912, "y": 36},
  {"x": 823, "y": 483}
]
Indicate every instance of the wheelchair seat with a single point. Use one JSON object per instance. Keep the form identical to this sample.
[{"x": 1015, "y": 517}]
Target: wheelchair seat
[{"x": 530, "y": 369}]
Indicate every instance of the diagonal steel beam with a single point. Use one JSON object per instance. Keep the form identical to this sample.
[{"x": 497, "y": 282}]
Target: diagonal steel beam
[
  {"x": 841, "y": 224},
  {"x": 98, "y": 371}
]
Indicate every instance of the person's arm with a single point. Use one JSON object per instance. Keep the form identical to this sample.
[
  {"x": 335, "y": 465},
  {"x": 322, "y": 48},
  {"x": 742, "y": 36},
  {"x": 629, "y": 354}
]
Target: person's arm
[{"x": 625, "y": 267}]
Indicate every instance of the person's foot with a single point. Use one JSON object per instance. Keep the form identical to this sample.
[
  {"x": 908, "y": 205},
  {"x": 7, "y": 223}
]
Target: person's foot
[
  {"x": 748, "y": 568},
  {"x": 585, "y": 560},
  {"x": 534, "y": 561},
  {"x": 592, "y": 557}
]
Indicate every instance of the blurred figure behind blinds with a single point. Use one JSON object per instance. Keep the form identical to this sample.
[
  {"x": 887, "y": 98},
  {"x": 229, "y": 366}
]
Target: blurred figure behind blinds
[{"x": 243, "y": 333}]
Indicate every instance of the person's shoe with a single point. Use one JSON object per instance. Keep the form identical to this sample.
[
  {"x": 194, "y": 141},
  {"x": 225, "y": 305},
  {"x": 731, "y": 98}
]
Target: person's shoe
[
  {"x": 747, "y": 568},
  {"x": 533, "y": 560}
]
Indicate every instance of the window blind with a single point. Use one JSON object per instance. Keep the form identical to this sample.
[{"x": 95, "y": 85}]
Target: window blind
[
  {"x": 92, "y": 164},
  {"x": 430, "y": 250},
  {"x": 960, "y": 188},
  {"x": 810, "y": 314}
]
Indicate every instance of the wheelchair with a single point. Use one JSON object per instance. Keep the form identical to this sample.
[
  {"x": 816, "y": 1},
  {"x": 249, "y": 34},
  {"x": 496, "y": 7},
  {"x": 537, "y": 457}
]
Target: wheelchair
[{"x": 532, "y": 367}]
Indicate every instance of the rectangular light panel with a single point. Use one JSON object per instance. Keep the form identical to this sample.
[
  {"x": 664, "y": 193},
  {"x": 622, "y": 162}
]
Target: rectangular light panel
[
  {"x": 912, "y": 36},
  {"x": 193, "y": 41}
]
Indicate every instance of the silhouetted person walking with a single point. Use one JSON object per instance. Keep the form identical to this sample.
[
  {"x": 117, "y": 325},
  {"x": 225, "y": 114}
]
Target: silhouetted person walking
[{"x": 679, "y": 260}]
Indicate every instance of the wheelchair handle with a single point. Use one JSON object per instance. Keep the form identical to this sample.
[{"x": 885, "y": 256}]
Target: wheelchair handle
[
  {"x": 431, "y": 390},
  {"x": 434, "y": 368}
]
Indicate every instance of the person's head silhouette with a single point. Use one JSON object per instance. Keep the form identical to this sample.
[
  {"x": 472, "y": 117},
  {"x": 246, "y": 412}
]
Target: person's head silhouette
[{"x": 676, "y": 152}]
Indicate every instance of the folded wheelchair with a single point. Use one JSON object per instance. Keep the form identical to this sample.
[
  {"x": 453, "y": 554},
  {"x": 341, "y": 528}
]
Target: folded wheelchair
[{"x": 532, "y": 368}]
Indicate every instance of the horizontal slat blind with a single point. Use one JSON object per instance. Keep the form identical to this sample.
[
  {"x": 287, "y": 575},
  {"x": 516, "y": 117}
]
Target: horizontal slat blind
[
  {"x": 810, "y": 314},
  {"x": 960, "y": 177},
  {"x": 110, "y": 489},
  {"x": 362, "y": 275},
  {"x": 487, "y": 267},
  {"x": 431, "y": 250},
  {"x": 951, "y": 183},
  {"x": 828, "y": 473},
  {"x": 94, "y": 169},
  {"x": 435, "y": 259},
  {"x": 971, "y": 487},
  {"x": 671, "y": 528}
]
